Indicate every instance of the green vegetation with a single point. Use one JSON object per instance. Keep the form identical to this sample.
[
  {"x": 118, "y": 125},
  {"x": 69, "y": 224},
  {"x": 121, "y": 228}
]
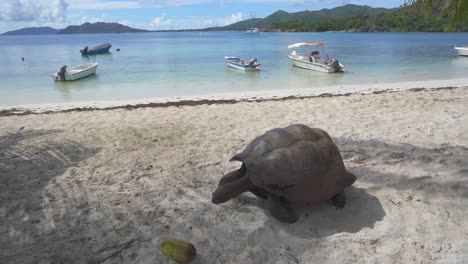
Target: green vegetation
[
  {"x": 413, "y": 17},
  {"x": 408, "y": 18},
  {"x": 457, "y": 10},
  {"x": 306, "y": 17}
]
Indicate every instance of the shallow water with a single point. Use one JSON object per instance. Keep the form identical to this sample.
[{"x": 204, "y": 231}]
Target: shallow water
[{"x": 192, "y": 63}]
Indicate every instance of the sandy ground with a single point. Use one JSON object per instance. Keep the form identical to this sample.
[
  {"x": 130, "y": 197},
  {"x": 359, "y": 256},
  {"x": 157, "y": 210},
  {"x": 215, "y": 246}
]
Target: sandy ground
[{"x": 108, "y": 186}]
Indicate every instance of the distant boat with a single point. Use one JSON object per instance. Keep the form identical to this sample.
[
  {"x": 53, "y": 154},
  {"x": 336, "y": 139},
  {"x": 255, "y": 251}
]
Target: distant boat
[
  {"x": 241, "y": 64},
  {"x": 253, "y": 29},
  {"x": 462, "y": 51},
  {"x": 75, "y": 73},
  {"x": 312, "y": 60},
  {"x": 104, "y": 48}
]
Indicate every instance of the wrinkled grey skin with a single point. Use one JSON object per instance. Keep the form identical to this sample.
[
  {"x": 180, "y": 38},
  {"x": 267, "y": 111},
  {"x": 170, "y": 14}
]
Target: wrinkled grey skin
[{"x": 288, "y": 167}]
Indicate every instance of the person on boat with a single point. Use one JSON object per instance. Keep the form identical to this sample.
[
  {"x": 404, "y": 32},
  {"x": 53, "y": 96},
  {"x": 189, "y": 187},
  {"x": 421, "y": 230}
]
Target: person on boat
[
  {"x": 314, "y": 56},
  {"x": 62, "y": 71},
  {"x": 85, "y": 50}
]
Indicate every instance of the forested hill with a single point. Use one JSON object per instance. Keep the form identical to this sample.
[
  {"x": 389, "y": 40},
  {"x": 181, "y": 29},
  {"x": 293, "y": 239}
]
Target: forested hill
[
  {"x": 346, "y": 11},
  {"x": 99, "y": 27},
  {"x": 32, "y": 31},
  {"x": 86, "y": 28},
  {"x": 354, "y": 18}
]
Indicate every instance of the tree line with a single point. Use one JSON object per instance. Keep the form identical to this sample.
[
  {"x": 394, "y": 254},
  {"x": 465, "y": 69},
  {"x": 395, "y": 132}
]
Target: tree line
[{"x": 408, "y": 18}]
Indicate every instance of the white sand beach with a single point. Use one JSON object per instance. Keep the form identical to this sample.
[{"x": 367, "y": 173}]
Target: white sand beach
[{"x": 107, "y": 186}]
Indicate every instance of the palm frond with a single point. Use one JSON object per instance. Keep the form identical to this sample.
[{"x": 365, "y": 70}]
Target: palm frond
[
  {"x": 456, "y": 9},
  {"x": 458, "y": 12}
]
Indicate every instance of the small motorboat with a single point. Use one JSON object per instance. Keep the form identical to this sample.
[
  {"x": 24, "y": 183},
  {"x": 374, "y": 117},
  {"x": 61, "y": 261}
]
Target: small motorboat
[
  {"x": 462, "y": 51},
  {"x": 75, "y": 73},
  {"x": 312, "y": 60},
  {"x": 104, "y": 48},
  {"x": 242, "y": 64}
]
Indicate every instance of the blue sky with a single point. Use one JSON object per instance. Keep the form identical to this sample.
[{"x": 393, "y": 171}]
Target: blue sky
[{"x": 155, "y": 14}]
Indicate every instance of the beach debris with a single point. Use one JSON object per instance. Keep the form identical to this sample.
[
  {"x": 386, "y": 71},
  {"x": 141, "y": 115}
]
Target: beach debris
[
  {"x": 180, "y": 251},
  {"x": 292, "y": 166}
]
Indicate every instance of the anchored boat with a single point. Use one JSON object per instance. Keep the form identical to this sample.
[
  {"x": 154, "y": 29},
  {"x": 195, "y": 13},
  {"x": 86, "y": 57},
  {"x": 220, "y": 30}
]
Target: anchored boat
[
  {"x": 75, "y": 73},
  {"x": 241, "y": 64},
  {"x": 104, "y": 48},
  {"x": 462, "y": 51},
  {"x": 312, "y": 60}
]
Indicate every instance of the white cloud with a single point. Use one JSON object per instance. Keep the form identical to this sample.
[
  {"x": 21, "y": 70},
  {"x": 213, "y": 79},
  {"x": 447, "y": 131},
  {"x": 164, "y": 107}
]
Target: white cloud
[
  {"x": 172, "y": 3},
  {"x": 161, "y": 22},
  {"x": 124, "y": 4},
  {"x": 102, "y": 18},
  {"x": 233, "y": 19},
  {"x": 131, "y": 4},
  {"x": 165, "y": 22},
  {"x": 33, "y": 10},
  {"x": 100, "y": 4}
]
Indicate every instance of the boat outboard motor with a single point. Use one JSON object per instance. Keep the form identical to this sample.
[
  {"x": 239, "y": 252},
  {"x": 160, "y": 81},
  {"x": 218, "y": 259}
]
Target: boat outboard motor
[
  {"x": 336, "y": 65},
  {"x": 62, "y": 71},
  {"x": 84, "y": 51},
  {"x": 253, "y": 62}
]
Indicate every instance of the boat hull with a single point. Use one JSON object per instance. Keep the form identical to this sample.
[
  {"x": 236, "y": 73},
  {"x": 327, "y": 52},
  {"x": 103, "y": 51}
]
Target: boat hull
[
  {"x": 304, "y": 64},
  {"x": 98, "y": 50},
  {"x": 462, "y": 51},
  {"x": 235, "y": 63},
  {"x": 78, "y": 72}
]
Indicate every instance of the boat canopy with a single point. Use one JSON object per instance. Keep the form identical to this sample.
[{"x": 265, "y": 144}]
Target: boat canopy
[{"x": 304, "y": 44}]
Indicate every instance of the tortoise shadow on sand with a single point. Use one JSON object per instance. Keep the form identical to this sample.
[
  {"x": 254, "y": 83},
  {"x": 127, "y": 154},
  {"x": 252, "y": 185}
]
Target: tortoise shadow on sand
[{"x": 362, "y": 210}]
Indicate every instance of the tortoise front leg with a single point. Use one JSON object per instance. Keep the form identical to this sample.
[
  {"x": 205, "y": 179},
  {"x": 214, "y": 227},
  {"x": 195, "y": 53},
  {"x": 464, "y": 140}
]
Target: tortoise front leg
[
  {"x": 281, "y": 210},
  {"x": 230, "y": 177},
  {"x": 339, "y": 200},
  {"x": 237, "y": 174},
  {"x": 233, "y": 175},
  {"x": 259, "y": 192}
]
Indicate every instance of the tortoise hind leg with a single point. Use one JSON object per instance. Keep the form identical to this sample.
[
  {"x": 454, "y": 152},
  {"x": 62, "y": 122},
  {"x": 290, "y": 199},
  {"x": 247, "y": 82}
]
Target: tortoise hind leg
[
  {"x": 231, "y": 189},
  {"x": 281, "y": 210},
  {"x": 339, "y": 200}
]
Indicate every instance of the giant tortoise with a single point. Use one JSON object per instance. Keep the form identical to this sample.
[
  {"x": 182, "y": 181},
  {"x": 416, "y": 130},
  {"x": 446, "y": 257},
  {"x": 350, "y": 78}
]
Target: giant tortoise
[{"x": 289, "y": 167}]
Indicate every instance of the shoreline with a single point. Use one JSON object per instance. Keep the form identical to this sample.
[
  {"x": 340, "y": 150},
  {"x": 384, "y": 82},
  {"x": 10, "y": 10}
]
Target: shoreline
[{"x": 232, "y": 98}]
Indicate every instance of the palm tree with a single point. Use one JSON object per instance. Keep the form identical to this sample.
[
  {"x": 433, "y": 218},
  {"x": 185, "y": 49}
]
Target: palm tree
[{"x": 457, "y": 9}]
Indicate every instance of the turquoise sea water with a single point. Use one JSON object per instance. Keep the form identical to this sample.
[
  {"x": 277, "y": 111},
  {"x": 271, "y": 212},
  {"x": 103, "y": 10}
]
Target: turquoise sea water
[{"x": 192, "y": 63}]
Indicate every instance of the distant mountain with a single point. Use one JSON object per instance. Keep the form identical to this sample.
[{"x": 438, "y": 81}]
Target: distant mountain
[
  {"x": 345, "y": 11},
  {"x": 407, "y": 18},
  {"x": 86, "y": 28},
  {"x": 99, "y": 27},
  {"x": 33, "y": 31}
]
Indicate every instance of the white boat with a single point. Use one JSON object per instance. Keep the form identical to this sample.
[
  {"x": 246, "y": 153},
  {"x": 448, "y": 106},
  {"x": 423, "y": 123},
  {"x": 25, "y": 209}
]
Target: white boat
[
  {"x": 312, "y": 60},
  {"x": 242, "y": 64},
  {"x": 462, "y": 51},
  {"x": 252, "y": 31},
  {"x": 75, "y": 73}
]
